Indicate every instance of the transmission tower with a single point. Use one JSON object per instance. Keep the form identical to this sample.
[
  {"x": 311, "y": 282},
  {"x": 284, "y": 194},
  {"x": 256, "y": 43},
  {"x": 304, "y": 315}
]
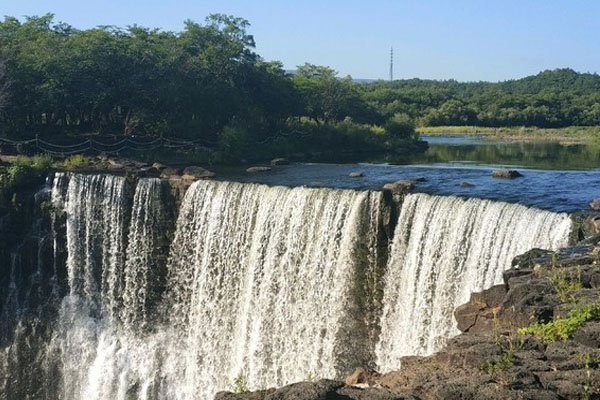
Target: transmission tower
[{"x": 391, "y": 64}]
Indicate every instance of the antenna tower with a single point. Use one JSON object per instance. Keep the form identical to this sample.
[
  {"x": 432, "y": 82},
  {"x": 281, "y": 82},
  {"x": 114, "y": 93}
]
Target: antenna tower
[{"x": 391, "y": 64}]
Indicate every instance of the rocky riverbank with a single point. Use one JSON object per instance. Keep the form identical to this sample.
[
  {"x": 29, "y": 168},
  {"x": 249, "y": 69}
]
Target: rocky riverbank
[{"x": 536, "y": 336}]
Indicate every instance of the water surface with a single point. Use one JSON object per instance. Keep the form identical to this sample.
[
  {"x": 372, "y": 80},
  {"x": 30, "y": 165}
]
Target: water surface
[{"x": 556, "y": 177}]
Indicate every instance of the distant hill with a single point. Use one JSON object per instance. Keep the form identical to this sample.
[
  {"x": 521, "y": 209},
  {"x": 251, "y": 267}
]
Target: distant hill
[{"x": 552, "y": 98}]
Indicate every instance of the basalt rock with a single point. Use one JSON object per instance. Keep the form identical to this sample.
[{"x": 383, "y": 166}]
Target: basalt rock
[
  {"x": 194, "y": 173},
  {"x": 506, "y": 173},
  {"x": 490, "y": 359},
  {"x": 595, "y": 204},
  {"x": 279, "y": 161},
  {"x": 258, "y": 169}
]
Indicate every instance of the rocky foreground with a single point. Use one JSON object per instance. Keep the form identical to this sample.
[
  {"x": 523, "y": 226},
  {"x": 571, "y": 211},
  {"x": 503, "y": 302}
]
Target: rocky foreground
[{"x": 537, "y": 336}]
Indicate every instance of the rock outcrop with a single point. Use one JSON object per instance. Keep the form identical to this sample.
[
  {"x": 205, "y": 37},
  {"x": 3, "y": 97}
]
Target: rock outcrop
[
  {"x": 279, "y": 161},
  {"x": 506, "y": 173},
  {"x": 506, "y": 349},
  {"x": 258, "y": 169}
]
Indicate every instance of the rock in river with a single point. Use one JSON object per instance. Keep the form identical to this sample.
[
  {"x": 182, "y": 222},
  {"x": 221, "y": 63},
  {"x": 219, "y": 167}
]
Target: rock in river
[
  {"x": 279, "y": 161},
  {"x": 506, "y": 173},
  {"x": 258, "y": 169},
  {"x": 197, "y": 173}
]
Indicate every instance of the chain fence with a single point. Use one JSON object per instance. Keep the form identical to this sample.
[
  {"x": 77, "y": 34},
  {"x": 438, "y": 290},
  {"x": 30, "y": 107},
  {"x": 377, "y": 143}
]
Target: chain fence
[{"x": 126, "y": 144}]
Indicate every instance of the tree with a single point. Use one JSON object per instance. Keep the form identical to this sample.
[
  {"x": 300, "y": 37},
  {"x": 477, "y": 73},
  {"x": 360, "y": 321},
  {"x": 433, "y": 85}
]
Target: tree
[{"x": 4, "y": 85}]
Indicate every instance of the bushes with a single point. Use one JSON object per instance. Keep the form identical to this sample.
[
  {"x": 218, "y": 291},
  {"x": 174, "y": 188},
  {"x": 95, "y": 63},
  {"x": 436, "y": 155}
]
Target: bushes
[
  {"x": 563, "y": 328},
  {"x": 24, "y": 170},
  {"x": 76, "y": 161}
]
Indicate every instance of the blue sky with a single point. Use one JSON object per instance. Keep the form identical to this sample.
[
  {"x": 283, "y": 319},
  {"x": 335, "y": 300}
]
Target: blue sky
[{"x": 453, "y": 39}]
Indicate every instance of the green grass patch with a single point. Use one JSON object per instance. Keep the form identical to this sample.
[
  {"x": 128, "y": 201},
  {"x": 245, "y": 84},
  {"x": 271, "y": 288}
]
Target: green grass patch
[
  {"x": 74, "y": 162},
  {"x": 567, "y": 135},
  {"x": 563, "y": 328}
]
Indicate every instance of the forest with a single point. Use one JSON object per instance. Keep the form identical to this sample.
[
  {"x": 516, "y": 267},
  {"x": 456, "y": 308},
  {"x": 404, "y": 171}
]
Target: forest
[{"x": 207, "y": 83}]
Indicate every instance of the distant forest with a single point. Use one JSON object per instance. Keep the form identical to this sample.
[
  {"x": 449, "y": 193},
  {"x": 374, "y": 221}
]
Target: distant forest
[{"x": 208, "y": 82}]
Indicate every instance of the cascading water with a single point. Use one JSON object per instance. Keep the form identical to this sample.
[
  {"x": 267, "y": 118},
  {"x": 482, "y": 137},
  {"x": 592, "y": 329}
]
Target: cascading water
[
  {"x": 443, "y": 249},
  {"x": 260, "y": 281},
  {"x": 260, "y": 285},
  {"x": 268, "y": 285}
]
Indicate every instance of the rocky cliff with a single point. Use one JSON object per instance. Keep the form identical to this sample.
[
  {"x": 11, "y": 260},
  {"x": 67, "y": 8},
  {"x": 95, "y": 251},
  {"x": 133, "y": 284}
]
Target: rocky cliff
[{"x": 537, "y": 336}]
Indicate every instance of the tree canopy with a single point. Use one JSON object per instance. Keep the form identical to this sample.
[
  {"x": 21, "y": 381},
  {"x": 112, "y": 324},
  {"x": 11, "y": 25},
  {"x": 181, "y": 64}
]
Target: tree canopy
[{"x": 207, "y": 82}]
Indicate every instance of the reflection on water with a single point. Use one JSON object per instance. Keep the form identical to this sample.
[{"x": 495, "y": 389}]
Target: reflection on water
[
  {"x": 476, "y": 150},
  {"x": 556, "y": 177}
]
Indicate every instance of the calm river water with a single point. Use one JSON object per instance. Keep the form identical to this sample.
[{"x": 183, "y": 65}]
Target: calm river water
[{"x": 556, "y": 177}]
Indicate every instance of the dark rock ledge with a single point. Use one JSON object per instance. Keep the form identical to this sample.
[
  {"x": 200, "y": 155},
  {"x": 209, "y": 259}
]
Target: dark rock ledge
[{"x": 493, "y": 358}]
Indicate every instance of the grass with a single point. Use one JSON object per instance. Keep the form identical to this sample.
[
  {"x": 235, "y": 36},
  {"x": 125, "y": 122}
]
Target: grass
[
  {"x": 567, "y": 135},
  {"x": 565, "y": 285},
  {"x": 499, "y": 365},
  {"x": 563, "y": 328},
  {"x": 240, "y": 383},
  {"x": 74, "y": 162}
]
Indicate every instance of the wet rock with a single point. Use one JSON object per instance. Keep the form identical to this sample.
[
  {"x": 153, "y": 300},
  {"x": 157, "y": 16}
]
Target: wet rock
[
  {"x": 361, "y": 376},
  {"x": 149, "y": 172},
  {"x": 356, "y": 175},
  {"x": 159, "y": 166},
  {"x": 595, "y": 204},
  {"x": 465, "y": 185},
  {"x": 506, "y": 173},
  {"x": 170, "y": 173},
  {"x": 253, "y": 170},
  {"x": 279, "y": 161},
  {"x": 400, "y": 186},
  {"x": 193, "y": 173}
]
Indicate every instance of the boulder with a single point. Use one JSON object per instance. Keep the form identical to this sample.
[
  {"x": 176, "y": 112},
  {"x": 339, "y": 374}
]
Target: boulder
[
  {"x": 149, "y": 172},
  {"x": 399, "y": 186},
  {"x": 361, "y": 376},
  {"x": 506, "y": 173},
  {"x": 193, "y": 173},
  {"x": 159, "y": 166},
  {"x": 595, "y": 204},
  {"x": 319, "y": 390},
  {"x": 258, "y": 169},
  {"x": 279, "y": 161},
  {"x": 465, "y": 185},
  {"x": 356, "y": 175},
  {"x": 169, "y": 173}
]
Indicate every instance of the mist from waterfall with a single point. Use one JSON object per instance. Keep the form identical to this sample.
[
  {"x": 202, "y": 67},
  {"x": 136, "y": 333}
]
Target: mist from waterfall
[{"x": 445, "y": 248}]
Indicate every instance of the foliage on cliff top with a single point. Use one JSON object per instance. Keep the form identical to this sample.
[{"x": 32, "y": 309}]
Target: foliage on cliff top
[
  {"x": 199, "y": 82},
  {"x": 563, "y": 328}
]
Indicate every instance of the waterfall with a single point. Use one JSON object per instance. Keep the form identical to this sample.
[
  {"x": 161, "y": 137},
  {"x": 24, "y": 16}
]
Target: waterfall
[
  {"x": 260, "y": 287},
  {"x": 443, "y": 249},
  {"x": 263, "y": 285},
  {"x": 261, "y": 278}
]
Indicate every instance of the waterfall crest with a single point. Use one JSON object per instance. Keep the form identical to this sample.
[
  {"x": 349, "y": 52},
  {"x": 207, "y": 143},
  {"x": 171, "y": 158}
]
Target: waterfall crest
[{"x": 445, "y": 248}]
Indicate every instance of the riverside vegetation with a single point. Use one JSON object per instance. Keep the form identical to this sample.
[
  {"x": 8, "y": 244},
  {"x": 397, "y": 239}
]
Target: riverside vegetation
[{"x": 207, "y": 84}]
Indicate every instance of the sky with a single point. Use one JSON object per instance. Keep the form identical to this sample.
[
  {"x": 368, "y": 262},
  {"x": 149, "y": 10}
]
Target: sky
[{"x": 466, "y": 40}]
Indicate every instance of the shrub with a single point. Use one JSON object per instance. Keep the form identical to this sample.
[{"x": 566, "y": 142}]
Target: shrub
[
  {"x": 400, "y": 126},
  {"x": 563, "y": 328},
  {"x": 76, "y": 161},
  {"x": 240, "y": 383}
]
